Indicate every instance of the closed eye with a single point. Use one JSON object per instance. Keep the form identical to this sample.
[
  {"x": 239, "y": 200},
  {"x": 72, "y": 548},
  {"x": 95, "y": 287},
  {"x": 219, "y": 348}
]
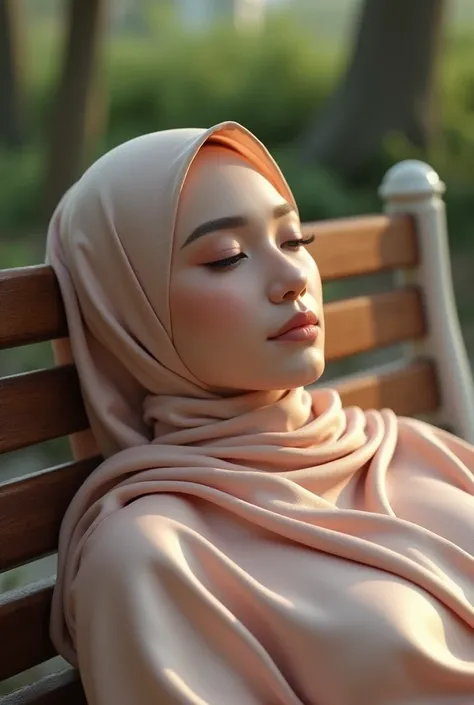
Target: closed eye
[
  {"x": 300, "y": 242},
  {"x": 227, "y": 262}
]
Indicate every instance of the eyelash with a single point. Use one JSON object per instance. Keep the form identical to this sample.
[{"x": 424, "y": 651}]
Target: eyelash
[{"x": 229, "y": 261}]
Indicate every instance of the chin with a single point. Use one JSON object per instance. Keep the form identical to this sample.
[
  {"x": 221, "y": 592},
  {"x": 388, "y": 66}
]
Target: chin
[
  {"x": 301, "y": 370},
  {"x": 301, "y": 373},
  {"x": 304, "y": 379},
  {"x": 305, "y": 370}
]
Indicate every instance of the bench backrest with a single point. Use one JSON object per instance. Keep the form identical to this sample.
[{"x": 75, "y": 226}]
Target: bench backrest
[{"x": 431, "y": 378}]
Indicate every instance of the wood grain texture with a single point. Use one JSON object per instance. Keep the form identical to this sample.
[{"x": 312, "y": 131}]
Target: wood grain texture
[
  {"x": 38, "y": 406},
  {"x": 32, "y": 508},
  {"x": 409, "y": 391},
  {"x": 364, "y": 323},
  {"x": 31, "y": 308},
  {"x": 350, "y": 247},
  {"x": 24, "y": 628}
]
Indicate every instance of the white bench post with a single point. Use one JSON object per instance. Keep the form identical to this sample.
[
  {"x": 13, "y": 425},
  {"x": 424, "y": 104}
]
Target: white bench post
[{"x": 413, "y": 187}]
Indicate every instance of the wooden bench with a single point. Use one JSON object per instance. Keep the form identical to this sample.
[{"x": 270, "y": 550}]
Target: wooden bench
[{"x": 432, "y": 378}]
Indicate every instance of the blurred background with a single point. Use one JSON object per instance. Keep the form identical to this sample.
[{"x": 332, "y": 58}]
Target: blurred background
[{"x": 338, "y": 90}]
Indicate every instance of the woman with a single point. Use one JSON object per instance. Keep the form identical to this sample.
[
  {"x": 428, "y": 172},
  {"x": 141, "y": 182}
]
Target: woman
[{"x": 246, "y": 541}]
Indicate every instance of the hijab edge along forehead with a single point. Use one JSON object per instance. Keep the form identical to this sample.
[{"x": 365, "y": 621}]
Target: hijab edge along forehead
[{"x": 238, "y": 139}]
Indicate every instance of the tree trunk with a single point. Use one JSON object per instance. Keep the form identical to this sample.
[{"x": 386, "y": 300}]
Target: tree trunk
[
  {"x": 11, "y": 56},
  {"x": 78, "y": 111},
  {"x": 388, "y": 87}
]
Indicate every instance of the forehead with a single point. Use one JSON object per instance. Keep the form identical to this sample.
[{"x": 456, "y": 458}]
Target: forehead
[{"x": 220, "y": 183}]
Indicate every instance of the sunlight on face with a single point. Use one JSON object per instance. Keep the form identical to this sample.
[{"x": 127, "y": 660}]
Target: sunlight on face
[{"x": 239, "y": 274}]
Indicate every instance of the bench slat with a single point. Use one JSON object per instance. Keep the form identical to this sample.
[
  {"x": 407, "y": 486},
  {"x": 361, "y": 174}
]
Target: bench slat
[
  {"x": 38, "y": 406},
  {"x": 365, "y": 323},
  {"x": 24, "y": 628},
  {"x": 32, "y": 508},
  {"x": 61, "y": 688},
  {"x": 409, "y": 391},
  {"x": 45, "y": 404},
  {"x": 31, "y": 309},
  {"x": 350, "y": 247}
]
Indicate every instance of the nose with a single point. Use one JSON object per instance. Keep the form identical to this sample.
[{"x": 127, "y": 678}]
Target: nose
[{"x": 289, "y": 284}]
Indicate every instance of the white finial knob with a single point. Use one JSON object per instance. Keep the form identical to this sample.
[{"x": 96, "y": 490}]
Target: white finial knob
[{"x": 410, "y": 179}]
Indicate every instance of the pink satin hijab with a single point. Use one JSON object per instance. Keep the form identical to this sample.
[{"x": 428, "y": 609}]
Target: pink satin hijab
[{"x": 234, "y": 550}]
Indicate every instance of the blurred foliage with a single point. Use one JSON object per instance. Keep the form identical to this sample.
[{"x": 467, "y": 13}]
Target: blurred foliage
[
  {"x": 20, "y": 195},
  {"x": 274, "y": 83},
  {"x": 271, "y": 83}
]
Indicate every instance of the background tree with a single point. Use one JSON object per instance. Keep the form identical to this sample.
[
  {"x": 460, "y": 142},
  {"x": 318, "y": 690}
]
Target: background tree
[
  {"x": 11, "y": 65},
  {"x": 78, "y": 110},
  {"x": 389, "y": 84}
]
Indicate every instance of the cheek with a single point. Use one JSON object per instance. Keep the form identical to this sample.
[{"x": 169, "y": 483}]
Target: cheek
[
  {"x": 314, "y": 278},
  {"x": 210, "y": 310}
]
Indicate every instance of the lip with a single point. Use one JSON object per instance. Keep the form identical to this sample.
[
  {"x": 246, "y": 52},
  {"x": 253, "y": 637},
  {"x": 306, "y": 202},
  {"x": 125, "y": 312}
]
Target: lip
[{"x": 303, "y": 326}]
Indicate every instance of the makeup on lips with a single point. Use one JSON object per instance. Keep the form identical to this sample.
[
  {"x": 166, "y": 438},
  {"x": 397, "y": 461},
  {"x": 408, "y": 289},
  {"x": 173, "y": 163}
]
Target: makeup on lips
[{"x": 304, "y": 327}]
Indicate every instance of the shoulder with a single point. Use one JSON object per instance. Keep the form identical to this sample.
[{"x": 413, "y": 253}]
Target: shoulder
[{"x": 440, "y": 437}]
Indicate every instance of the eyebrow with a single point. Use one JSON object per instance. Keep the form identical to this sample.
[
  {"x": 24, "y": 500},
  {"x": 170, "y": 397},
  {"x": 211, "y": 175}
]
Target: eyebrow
[{"x": 234, "y": 221}]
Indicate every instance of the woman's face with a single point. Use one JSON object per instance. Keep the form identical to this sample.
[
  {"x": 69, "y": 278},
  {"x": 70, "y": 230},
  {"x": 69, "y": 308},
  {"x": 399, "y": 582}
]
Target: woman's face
[{"x": 240, "y": 273}]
